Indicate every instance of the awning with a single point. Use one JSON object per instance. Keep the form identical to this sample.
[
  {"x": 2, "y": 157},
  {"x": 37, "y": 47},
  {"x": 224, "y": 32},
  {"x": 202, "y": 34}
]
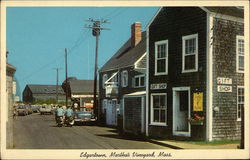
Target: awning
[{"x": 138, "y": 93}]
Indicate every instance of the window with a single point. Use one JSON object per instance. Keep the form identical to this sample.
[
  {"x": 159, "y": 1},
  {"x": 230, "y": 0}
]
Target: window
[
  {"x": 104, "y": 79},
  {"x": 240, "y": 101},
  {"x": 240, "y": 53},
  {"x": 161, "y": 57},
  {"x": 159, "y": 109},
  {"x": 190, "y": 53},
  {"x": 124, "y": 77},
  {"x": 139, "y": 81}
]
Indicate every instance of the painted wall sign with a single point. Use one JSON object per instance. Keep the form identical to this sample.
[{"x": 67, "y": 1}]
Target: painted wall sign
[
  {"x": 222, "y": 80},
  {"x": 198, "y": 101},
  {"x": 158, "y": 86},
  {"x": 224, "y": 88}
]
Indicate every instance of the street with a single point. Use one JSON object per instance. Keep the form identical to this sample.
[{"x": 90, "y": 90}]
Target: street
[{"x": 37, "y": 131}]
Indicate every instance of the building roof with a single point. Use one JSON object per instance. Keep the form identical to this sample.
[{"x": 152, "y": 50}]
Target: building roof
[
  {"x": 82, "y": 86},
  {"x": 45, "y": 89},
  {"x": 126, "y": 56},
  {"x": 230, "y": 11}
]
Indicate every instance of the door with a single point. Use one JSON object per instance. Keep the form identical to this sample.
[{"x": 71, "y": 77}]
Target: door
[
  {"x": 111, "y": 112},
  {"x": 181, "y": 111}
]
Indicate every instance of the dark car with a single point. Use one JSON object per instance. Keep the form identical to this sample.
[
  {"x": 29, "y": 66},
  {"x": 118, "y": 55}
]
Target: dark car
[{"x": 84, "y": 116}]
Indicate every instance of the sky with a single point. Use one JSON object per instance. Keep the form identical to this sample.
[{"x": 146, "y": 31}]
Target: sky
[{"x": 37, "y": 38}]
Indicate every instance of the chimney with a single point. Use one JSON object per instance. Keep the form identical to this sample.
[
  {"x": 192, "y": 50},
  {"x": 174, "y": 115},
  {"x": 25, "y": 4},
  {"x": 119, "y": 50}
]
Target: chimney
[{"x": 135, "y": 33}]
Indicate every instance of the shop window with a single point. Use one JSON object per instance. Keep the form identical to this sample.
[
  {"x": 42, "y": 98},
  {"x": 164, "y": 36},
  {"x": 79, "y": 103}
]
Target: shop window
[{"x": 159, "y": 109}]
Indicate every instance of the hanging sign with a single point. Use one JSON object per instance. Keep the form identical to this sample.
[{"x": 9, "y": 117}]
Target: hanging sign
[
  {"x": 198, "y": 101},
  {"x": 222, "y": 80},
  {"x": 224, "y": 88}
]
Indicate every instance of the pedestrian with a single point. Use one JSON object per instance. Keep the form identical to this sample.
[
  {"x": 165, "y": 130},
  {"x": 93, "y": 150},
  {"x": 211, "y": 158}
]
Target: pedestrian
[
  {"x": 59, "y": 113},
  {"x": 68, "y": 114}
]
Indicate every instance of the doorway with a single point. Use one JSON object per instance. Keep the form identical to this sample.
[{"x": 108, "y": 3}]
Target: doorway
[
  {"x": 181, "y": 111},
  {"x": 111, "y": 113}
]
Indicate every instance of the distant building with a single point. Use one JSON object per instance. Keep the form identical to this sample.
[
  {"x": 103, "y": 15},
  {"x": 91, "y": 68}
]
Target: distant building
[
  {"x": 81, "y": 92},
  {"x": 35, "y": 92}
]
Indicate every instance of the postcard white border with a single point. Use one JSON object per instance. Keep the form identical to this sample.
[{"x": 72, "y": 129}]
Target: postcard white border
[{"x": 75, "y": 154}]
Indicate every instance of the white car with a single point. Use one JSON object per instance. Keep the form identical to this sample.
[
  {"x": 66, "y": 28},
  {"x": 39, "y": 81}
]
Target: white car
[{"x": 46, "y": 110}]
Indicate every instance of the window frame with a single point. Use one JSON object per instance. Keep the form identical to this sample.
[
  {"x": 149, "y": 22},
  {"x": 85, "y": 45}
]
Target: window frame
[
  {"x": 240, "y": 87},
  {"x": 156, "y": 57},
  {"x": 122, "y": 80},
  {"x": 104, "y": 80},
  {"x": 238, "y": 37},
  {"x": 139, "y": 76},
  {"x": 152, "y": 110},
  {"x": 184, "y": 38}
]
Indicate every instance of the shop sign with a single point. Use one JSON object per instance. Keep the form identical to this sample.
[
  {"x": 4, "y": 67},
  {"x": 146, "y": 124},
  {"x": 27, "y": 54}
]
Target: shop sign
[
  {"x": 224, "y": 88},
  {"x": 198, "y": 101},
  {"x": 222, "y": 80},
  {"x": 158, "y": 86}
]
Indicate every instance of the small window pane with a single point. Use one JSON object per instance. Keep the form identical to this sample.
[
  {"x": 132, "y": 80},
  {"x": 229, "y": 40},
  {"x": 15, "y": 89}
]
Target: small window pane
[
  {"x": 241, "y": 63},
  {"x": 137, "y": 82},
  {"x": 156, "y": 115},
  {"x": 163, "y": 115},
  {"x": 156, "y": 101},
  {"x": 142, "y": 81},
  {"x": 161, "y": 65},
  {"x": 189, "y": 62}
]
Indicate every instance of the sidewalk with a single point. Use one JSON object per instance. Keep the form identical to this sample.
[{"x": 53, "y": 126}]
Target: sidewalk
[{"x": 186, "y": 145}]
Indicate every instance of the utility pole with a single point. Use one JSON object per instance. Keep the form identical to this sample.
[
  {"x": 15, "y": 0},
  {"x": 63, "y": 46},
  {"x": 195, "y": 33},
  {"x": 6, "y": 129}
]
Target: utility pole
[
  {"x": 57, "y": 69},
  {"x": 96, "y": 29},
  {"x": 66, "y": 75}
]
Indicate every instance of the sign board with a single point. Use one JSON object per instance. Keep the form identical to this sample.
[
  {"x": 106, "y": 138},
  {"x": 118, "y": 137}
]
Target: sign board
[
  {"x": 222, "y": 80},
  {"x": 88, "y": 105},
  {"x": 224, "y": 88},
  {"x": 198, "y": 101},
  {"x": 158, "y": 86}
]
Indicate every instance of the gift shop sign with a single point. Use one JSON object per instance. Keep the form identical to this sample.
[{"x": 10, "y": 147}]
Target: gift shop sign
[
  {"x": 158, "y": 86},
  {"x": 224, "y": 84}
]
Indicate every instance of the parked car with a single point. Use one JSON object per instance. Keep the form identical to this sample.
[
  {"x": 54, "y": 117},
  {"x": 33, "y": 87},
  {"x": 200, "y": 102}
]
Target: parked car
[
  {"x": 29, "y": 109},
  {"x": 22, "y": 110},
  {"x": 46, "y": 109},
  {"x": 84, "y": 116},
  {"x": 35, "y": 108}
]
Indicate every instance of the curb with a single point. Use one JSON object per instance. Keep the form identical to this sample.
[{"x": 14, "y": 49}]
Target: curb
[{"x": 164, "y": 144}]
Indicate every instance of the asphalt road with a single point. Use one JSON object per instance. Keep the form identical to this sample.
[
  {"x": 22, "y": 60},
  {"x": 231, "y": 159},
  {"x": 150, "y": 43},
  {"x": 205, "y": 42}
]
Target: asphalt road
[{"x": 37, "y": 131}]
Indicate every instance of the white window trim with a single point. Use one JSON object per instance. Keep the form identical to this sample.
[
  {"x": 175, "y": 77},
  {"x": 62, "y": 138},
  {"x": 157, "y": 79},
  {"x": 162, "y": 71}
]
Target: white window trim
[
  {"x": 103, "y": 82},
  {"x": 239, "y": 119},
  {"x": 238, "y": 37},
  {"x": 122, "y": 75},
  {"x": 156, "y": 44},
  {"x": 184, "y": 38},
  {"x": 139, "y": 76},
  {"x": 151, "y": 111}
]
